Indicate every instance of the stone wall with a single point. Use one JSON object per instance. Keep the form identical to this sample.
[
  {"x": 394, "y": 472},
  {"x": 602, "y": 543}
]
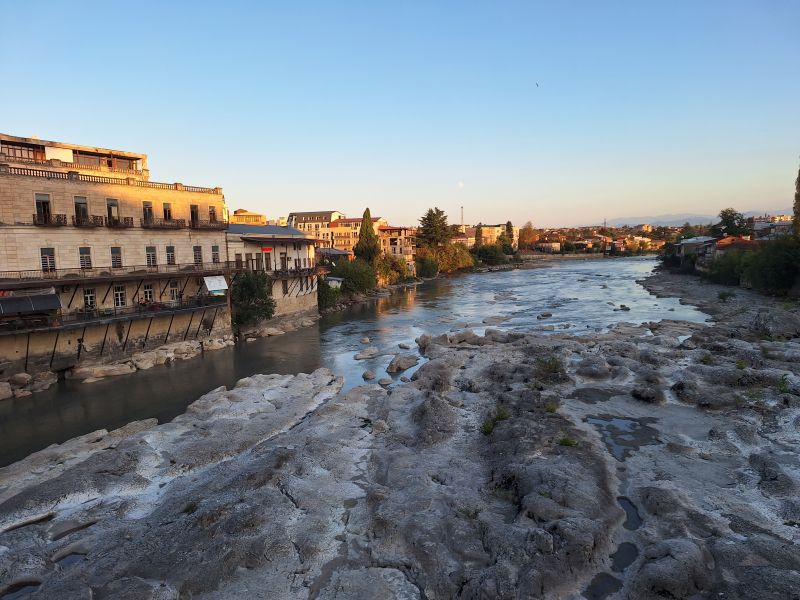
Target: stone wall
[{"x": 296, "y": 300}]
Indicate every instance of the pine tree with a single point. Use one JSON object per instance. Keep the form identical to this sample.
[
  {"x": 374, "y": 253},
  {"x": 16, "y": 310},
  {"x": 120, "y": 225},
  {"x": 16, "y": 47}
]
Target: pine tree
[
  {"x": 510, "y": 230},
  {"x": 367, "y": 248},
  {"x": 433, "y": 229}
]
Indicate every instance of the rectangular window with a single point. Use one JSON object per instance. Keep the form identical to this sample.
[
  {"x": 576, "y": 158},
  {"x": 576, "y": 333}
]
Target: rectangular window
[
  {"x": 116, "y": 257},
  {"x": 85, "y": 256},
  {"x": 48, "y": 256},
  {"x": 150, "y": 255},
  {"x": 112, "y": 210},
  {"x": 170, "y": 255},
  {"x": 149, "y": 295},
  {"x": 214, "y": 254},
  {"x": 212, "y": 214},
  {"x": 119, "y": 296},
  {"x": 167, "y": 211},
  {"x": 147, "y": 211},
  {"x": 89, "y": 299},
  {"x": 197, "y": 251},
  {"x": 238, "y": 259},
  {"x": 248, "y": 260},
  {"x": 81, "y": 209},
  {"x": 174, "y": 292},
  {"x": 194, "y": 212},
  {"x": 43, "y": 210}
]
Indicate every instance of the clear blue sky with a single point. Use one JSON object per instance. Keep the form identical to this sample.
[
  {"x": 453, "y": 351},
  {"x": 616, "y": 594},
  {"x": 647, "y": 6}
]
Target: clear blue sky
[{"x": 641, "y": 108}]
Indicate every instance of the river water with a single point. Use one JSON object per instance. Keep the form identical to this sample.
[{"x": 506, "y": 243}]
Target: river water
[{"x": 583, "y": 296}]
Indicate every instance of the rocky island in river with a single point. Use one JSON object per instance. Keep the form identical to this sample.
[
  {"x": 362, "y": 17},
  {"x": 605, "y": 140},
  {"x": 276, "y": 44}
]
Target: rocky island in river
[{"x": 650, "y": 461}]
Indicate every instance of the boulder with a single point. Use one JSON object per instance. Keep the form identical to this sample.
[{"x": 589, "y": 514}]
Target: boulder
[
  {"x": 385, "y": 381},
  {"x": 307, "y": 322},
  {"x": 544, "y": 315},
  {"x": 143, "y": 360},
  {"x": 214, "y": 344},
  {"x": 250, "y": 339},
  {"x": 370, "y": 352},
  {"x": 272, "y": 331},
  {"x": 95, "y": 372},
  {"x": 368, "y": 375},
  {"x": 365, "y": 340},
  {"x": 20, "y": 393},
  {"x": 401, "y": 362},
  {"x": 404, "y": 346},
  {"x": 20, "y": 379},
  {"x": 5, "y": 390}
]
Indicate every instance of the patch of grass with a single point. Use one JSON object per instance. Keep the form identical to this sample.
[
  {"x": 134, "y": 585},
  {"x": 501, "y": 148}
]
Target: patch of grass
[
  {"x": 189, "y": 508},
  {"x": 550, "y": 407},
  {"x": 725, "y": 296},
  {"x": 550, "y": 368},
  {"x": 567, "y": 441},
  {"x": 707, "y": 359},
  {"x": 741, "y": 364},
  {"x": 500, "y": 413},
  {"x": 470, "y": 513},
  {"x": 487, "y": 427},
  {"x": 783, "y": 386}
]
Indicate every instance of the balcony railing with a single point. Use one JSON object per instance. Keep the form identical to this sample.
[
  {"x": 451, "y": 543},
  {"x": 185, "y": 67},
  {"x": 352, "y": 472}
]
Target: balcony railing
[
  {"x": 88, "y": 221},
  {"x": 198, "y": 224},
  {"x": 119, "y": 222},
  {"x": 242, "y": 267},
  {"x": 69, "y": 165},
  {"x": 86, "y": 316},
  {"x": 163, "y": 223},
  {"x": 49, "y": 220},
  {"x": 112, "y": 272}
]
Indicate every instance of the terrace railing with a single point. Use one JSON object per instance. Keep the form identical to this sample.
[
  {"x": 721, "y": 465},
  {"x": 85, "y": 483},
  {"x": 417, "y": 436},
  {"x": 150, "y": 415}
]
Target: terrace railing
[
  {"x": 112, "y": 272},
  {"x": 163, "y": 223},
  {"x": 88, "y": 221},
  {"x": 198, "y": 224},
  {"x": 49, "y": 220},
  {"x": 119, "y": 222}
]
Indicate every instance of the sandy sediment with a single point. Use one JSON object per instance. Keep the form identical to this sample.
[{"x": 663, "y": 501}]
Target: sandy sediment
[{"x": 653, "y": 461}]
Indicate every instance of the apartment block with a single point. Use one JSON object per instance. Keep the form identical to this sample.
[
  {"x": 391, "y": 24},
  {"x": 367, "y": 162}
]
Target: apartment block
[
  {"x": 399, "y": 242},
  {"x": 316, "y": 224},
  {"x": 344, "y": 232},
  {"x": 96, "y": 259}
]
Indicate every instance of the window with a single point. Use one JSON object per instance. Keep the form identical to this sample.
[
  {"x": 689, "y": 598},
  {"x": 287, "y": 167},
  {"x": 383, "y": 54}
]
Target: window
[
  {"x": 81, "y": 209},
  {"x": 170, "y": 255},
  {"x": 89, "y": 299},
  {"x": 248, "y": 260},
  {"x": 150, "y": 255},
  {"x": 214, "y": 254},
  {"x": 238, "y": 259},
  {"x": 197, "y": 251},
  {"x": 48, "y": 256},
  {"x": 116, "y": 257},
  {"x": 167, "y": 211},
  {"x": 147, "y": 211},
  {"x": 85, "y": 257},
  {"x": 174, "y": 293},
  {"x": 148, "y": 292},
  {"x": 112, "y": 209},
  {"x": 22, "y": 151},
  {"x": 119, "y": 296},
  {"x": 194, "y": 212},
  {"x": 212, "y": 214},
  {"x": 43, "y": 211}
]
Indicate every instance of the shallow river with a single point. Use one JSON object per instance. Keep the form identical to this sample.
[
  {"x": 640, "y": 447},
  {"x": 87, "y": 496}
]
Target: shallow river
[{"x": 581, "y": 295}]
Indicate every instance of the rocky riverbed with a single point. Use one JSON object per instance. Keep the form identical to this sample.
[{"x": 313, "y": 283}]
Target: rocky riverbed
[{"x": 652, "y": 461}]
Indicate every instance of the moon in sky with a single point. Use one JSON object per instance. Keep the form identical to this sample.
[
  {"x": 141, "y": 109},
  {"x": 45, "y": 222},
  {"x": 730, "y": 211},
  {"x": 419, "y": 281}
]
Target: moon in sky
[{"x": 460, "y": 185}]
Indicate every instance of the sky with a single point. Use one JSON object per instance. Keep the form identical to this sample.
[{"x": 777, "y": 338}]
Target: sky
[{"x": 562, "y": 113}]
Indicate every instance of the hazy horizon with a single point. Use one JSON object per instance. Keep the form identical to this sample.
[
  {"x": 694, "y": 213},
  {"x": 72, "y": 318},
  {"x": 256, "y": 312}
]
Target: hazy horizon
[{"x": 559, "y": 115}]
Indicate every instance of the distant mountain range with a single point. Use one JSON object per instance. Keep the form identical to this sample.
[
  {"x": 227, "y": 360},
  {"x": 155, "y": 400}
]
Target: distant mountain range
[{"x": 676, "y": 220}]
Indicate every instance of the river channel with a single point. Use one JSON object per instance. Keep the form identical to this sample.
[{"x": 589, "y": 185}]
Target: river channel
[{"x": 584, "y": 296}]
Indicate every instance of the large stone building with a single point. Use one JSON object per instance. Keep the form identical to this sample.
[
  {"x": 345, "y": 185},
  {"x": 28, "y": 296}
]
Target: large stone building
[
  {"x": 286, "y": 254},
  {"x": 244, "y": 217},
  {"x": 316, "y": 223},
  {"x": 399, "y": 242},
  {"x": 344, "y": 232},
  {"x": 98, "y": 260}
]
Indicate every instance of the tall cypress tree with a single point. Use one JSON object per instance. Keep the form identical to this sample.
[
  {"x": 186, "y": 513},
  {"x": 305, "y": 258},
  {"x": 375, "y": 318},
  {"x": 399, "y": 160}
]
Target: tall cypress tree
[
  {"x": 478, "y": 235},
  {"x": 797, "y": 204},
  {"x": 367, "y": 248}
]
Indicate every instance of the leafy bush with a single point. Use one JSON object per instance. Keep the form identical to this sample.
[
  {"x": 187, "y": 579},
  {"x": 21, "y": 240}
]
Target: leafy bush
[
  {"x": 251, "y": 297},
  {"x": 740, "y": 364},
  {"x": 725, "y": 296},
  {"x": 391, "y": 269},
  {"x": 775, "y": 267},
  {"x": 550, "y": 407},
  {"x": 491, "y": 254},
  {"x": 783, "y": 386},
  {"x": 357, "y": 275},
  {"x": 326, "y": 295},
  {"x": 567, "y": 441},
  {"x": 727, "y": 269},
  {"x": 427, "y": 267}
]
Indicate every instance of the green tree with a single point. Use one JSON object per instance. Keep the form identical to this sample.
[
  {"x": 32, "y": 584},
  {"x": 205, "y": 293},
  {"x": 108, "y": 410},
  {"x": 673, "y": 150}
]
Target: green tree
[
  {"x": 687, "y": 231},
  {"x": 527, "y": 236},
  {"x": 251, "y": 297},
  {"x": 479, "y": 235},
  {"x": 731, "y": 222},
  {"x": 433, "y": 229},
  {"x": 510, "y": 230},
  {"x": 358, "y": 275},
  {"x": 797, "y": 204},
  {"x": 367, "y": 248}
]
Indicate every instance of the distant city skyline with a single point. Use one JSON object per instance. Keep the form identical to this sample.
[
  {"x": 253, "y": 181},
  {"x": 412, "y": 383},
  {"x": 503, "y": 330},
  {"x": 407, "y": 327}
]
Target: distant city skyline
[{"x": 562, "y": 115}]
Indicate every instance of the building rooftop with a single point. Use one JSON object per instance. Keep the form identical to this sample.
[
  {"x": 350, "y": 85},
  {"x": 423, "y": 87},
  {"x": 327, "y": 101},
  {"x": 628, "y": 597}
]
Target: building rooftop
[
  {"x": 265, "y": 230},
  {"x": 32, "y": 141}
]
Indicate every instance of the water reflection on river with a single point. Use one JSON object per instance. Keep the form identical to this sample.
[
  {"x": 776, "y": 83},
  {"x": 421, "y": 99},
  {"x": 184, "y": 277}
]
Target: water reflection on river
[{"x": 581, "y": 295}]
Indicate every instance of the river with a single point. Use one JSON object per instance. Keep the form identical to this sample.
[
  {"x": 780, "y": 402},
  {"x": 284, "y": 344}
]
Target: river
[{"x": 583, "y": 296}]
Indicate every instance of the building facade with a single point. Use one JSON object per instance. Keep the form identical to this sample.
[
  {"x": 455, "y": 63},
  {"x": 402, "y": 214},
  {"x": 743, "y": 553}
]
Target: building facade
[
  {"x": 316, "y": 224},
  {"x": 344, "y": 232},
  {"x": 244, "y": 217},
  {"x": 286, "y": 255},
  {"x": 99, "y": 260},
  {"x": 399, "y": 242}
]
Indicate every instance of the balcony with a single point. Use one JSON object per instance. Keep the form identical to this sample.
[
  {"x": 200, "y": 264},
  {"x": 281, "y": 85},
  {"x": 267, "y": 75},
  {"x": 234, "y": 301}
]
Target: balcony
[
  {"x": 83, "y": 317},
  {"x": 88, "y": 221},
  {"x": 198, "y": 224},
  {"x": 21, "y": 279},
  {"x": 119, "y": 222},
  {"x": 163, "y": 223},
  {"x": 46, "y": 220}
]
